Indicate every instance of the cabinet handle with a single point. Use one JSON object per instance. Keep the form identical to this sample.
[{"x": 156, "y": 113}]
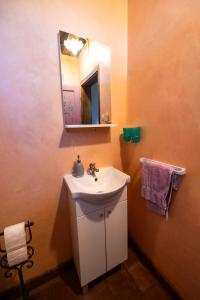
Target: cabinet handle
[
  {"x": 101, "y": 215},
  {"x": 109, "y": 212}
]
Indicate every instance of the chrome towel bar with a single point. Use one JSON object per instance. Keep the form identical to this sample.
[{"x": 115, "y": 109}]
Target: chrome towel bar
[{"x": 177, "y": 170}]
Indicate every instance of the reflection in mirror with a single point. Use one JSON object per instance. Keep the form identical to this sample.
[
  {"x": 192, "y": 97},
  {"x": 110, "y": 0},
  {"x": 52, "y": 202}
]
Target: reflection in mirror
[{"x": 85, "y": 74}]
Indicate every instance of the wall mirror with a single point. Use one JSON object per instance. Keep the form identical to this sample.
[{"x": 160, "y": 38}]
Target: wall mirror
[{"x": 85, "y": 76}]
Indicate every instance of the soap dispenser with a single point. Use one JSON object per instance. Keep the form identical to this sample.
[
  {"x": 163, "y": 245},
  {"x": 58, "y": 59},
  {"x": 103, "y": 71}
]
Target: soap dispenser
[{"x": 78, "y": 170}]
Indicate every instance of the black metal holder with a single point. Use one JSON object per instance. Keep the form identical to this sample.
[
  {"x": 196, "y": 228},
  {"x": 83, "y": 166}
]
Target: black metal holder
[{"x": 18, "y": 267}]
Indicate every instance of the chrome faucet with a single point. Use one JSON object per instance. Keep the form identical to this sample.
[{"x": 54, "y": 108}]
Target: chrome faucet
[{"x": 91, "y": 170}]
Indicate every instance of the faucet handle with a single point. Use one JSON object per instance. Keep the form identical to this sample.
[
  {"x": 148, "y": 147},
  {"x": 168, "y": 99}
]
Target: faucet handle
[{"x": 92, "y": 165}]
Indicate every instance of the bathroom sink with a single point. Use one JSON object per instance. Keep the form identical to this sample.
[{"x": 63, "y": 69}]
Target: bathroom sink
[{"x": 110, "y": 181}]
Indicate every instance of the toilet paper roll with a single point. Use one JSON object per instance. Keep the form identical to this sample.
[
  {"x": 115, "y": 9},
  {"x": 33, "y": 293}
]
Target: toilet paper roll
[
  {"x": 17, "y": 256},
  {"x": 15, "y": 244}
]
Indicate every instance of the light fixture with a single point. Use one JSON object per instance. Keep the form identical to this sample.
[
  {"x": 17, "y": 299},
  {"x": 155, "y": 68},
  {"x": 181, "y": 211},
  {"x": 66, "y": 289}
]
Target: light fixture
[{"x": 73, "y": 45}]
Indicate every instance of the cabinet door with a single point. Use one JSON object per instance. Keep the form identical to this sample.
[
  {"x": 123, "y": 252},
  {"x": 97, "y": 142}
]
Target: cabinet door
[
  {"x": 91, "y": 239},
  {"x": 116, "y": 234}
]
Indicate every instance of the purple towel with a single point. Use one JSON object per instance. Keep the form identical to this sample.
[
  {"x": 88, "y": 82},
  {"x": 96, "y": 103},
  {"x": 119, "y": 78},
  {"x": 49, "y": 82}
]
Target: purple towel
[{"x": 158, "y": 182}]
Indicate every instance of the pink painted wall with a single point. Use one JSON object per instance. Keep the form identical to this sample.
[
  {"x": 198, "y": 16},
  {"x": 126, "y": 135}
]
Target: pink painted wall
[
  {"x": 164, "y": 98},
  {"x": 35, "y": 152}
]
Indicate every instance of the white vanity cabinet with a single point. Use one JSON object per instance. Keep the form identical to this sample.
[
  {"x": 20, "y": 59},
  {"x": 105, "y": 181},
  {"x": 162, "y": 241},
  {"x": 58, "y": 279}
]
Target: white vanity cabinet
[
  {"x": 99, "y": 235},
  {"x": 116, "y": 234}
]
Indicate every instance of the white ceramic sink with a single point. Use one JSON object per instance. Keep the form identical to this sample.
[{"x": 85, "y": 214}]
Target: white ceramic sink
[{"x": 110, "y": 182}]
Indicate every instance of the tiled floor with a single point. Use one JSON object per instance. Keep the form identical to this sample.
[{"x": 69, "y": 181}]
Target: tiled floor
[{"x": 132, "y": 282}]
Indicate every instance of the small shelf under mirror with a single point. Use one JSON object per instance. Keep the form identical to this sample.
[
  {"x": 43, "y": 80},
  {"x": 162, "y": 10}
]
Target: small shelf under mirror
[{"x": 91, "y": 126}]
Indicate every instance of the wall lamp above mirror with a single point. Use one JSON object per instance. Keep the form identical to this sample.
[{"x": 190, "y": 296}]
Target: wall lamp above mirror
[
  {"x": 71, "y": 44},
  {"x": 85, "y": 81}
]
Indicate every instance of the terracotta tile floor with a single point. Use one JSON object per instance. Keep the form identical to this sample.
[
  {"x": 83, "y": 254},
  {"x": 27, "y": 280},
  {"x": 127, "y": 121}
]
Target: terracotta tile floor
[{"x": 132, "y": 282}]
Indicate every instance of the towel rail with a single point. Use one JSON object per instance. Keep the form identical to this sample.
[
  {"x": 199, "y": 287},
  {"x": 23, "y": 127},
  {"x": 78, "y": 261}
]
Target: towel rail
[{"x": 177, "y": 170}]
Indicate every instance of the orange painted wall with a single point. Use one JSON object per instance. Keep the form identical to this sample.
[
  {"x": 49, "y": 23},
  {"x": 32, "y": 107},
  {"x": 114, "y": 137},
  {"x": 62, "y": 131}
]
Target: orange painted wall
[
  {"x": 69, "y": 70},
  {"x": 35, "y": 152},
  {"x": 164, "y": 98}
]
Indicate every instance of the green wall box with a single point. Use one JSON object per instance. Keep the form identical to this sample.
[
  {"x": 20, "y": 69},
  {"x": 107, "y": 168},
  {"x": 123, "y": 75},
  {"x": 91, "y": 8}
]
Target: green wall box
[{"x": 132, "y": 134}]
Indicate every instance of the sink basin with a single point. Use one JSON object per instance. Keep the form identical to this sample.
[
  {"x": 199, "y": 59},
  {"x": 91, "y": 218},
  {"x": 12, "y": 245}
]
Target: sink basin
[{"x": 110, "y": 182}]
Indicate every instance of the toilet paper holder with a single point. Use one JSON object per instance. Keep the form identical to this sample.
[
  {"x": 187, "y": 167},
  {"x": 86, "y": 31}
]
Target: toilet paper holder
[{"x": 18, "y": 267}]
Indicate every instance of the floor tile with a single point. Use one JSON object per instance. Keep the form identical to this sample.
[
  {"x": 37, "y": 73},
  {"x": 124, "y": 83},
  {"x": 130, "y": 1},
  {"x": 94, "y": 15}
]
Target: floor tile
[
  {"x": 141, "y": 276},
  {"x": 133, "y": 282},
  {"x": 132, "y": 259},
  {"x": 156, "y": 293}
]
